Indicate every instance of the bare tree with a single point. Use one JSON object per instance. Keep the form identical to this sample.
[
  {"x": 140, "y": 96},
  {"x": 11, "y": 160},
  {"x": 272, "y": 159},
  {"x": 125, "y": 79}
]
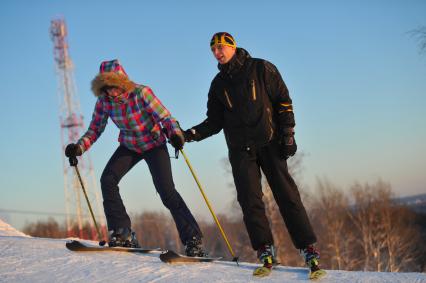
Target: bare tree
[
  {"x": 400, "y": 234},
  {"x": 420, "y": 35},
  {"x": 155, "y": 229},
  {"x": 386, "y": 231},
  {"x": 363, "y": 217},
  {"x": 236, "y": 234},
  {"x": 47, "y": 229},
  {"x": 329, "y": 216},
  {"x": 50, "y": 228}
]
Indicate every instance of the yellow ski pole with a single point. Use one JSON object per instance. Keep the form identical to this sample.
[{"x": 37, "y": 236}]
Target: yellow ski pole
[
  {"x": 73, "y": 162},
  {"x": 235, "y": 258}
]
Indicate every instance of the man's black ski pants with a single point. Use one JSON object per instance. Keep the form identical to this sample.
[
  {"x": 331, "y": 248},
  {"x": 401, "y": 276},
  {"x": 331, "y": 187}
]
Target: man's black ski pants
[{"x": 246, "y": 164}]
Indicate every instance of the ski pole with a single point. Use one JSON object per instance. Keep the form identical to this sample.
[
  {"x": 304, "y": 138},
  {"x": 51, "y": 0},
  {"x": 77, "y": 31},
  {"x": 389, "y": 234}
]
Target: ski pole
[
  {"x": 73, "y": 162},
  {"x": 235, "y": 258}
]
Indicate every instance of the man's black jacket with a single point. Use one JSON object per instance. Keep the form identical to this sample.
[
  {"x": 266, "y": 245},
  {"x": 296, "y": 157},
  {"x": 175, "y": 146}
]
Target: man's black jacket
[{"x": 249, "y": 100}]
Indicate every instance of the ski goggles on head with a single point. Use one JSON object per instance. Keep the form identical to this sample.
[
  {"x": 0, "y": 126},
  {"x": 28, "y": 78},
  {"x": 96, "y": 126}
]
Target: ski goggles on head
[{"x": 223, "y": 38}]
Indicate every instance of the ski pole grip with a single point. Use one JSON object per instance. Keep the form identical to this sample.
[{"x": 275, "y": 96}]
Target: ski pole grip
[{"x": 73, "y": 161}]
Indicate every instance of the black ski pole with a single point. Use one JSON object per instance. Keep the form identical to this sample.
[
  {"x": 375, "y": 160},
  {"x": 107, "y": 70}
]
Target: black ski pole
[{"x": 73, "y": 162}]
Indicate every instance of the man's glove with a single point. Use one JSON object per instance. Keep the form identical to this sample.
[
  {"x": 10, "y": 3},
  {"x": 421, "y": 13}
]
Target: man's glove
[
  {"x": 73, "y": 150},
  {"x": 288, "y": 146},
  {"x": 177, "y": 141},
  {"x": 191, "y": 135}
]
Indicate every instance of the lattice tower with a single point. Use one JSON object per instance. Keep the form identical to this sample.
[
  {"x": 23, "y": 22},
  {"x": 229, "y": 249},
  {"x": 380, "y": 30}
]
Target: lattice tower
[{"x": 72, "y": 126}]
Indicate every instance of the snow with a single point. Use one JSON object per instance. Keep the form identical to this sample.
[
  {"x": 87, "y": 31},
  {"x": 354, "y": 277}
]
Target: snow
[
  {"x": 7, "y": 230},
  {"x": 31, "y": 259}
]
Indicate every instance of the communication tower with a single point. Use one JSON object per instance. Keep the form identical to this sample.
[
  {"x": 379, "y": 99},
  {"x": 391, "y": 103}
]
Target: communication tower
[{"x": 72, "y": 127}]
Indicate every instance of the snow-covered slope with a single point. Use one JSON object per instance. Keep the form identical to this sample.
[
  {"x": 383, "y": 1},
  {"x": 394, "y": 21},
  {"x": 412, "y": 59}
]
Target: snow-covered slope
[
  {"x": 29, "y": 259},
  {"x": 7, "y": 230}
]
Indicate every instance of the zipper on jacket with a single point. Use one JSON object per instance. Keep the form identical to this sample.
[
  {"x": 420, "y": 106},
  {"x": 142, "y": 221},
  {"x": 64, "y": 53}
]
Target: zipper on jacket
[
  {"x": 270, "y": 123},
  {"x": 228, "y": 99},
  {"x": 253, "y": 90}
]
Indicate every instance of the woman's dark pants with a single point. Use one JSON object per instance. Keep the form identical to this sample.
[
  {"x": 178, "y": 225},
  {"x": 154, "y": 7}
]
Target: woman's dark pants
[{"x": 158, "y": 161}]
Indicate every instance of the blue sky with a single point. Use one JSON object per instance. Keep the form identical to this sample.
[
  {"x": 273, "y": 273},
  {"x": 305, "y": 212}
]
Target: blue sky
[{"x": 355, "y": 74}]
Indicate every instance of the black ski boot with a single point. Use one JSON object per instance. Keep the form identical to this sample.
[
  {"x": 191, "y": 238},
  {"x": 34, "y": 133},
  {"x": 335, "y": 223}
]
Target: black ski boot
[
  {"x": 311, "y": 256},
  {"x": 266, "y": 255},
  {"x": 123, "y": 237},
  {"x": 194, "y": 248}
]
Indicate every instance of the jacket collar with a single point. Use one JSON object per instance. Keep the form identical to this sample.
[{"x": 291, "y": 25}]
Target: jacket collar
[{"x": 235, "y": 64}]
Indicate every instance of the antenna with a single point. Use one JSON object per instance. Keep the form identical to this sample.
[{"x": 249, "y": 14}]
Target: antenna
[{"x": 72, "y": 127}]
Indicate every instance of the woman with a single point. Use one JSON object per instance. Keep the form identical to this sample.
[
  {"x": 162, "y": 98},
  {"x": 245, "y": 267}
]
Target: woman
[{"x": 144, "y": 123}]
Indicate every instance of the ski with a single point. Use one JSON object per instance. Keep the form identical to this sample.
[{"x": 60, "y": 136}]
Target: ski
[
  {"x": 263, "y": 271},
  {"x": 173, "y": 257},
  {"x": 78, "y": 246},
  {"x": 317, "y": 275}
]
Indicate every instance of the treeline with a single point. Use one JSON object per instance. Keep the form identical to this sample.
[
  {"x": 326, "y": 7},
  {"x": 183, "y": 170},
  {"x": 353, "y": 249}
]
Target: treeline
[
  {"x": 359, "y": 230},
  {"x": 363, "y": 229},
  {"x": 50, "y": 228}
]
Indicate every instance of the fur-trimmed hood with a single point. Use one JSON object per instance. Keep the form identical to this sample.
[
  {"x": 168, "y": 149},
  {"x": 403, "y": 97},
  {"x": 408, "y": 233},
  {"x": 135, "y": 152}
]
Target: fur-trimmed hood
[{"x": 111, "y": 74}]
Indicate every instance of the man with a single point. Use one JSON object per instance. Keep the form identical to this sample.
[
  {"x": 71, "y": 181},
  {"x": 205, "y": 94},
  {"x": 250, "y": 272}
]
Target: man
[
  {"x": 140, "y": 116},
  {"x": 249, "y": 100}
]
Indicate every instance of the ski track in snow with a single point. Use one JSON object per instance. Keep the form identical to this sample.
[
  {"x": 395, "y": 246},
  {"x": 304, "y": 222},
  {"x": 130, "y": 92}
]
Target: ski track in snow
[{"x": 30, "y": 259}]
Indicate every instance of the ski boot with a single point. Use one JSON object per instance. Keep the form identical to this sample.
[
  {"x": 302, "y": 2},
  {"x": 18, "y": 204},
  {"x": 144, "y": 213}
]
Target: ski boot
[
  {"x": 266, "y": 255},
  {"x": 311, "y": 256},
  {"x": 194, "y": 248},
  {"x": 123, "y": 237}
]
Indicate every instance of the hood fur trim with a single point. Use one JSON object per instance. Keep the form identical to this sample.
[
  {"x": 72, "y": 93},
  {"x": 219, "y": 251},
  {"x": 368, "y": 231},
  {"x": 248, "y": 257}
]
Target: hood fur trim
[{"x": 111, "y": 79}]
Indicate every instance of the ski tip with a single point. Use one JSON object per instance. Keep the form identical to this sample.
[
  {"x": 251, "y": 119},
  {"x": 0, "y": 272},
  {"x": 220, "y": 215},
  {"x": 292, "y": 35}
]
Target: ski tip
[
  {"x": 317, "y": 275},
  {"x": 168, "y": 256},
  {"x": 73, "y": 244},
  {"x": 261, "y": 271}
]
